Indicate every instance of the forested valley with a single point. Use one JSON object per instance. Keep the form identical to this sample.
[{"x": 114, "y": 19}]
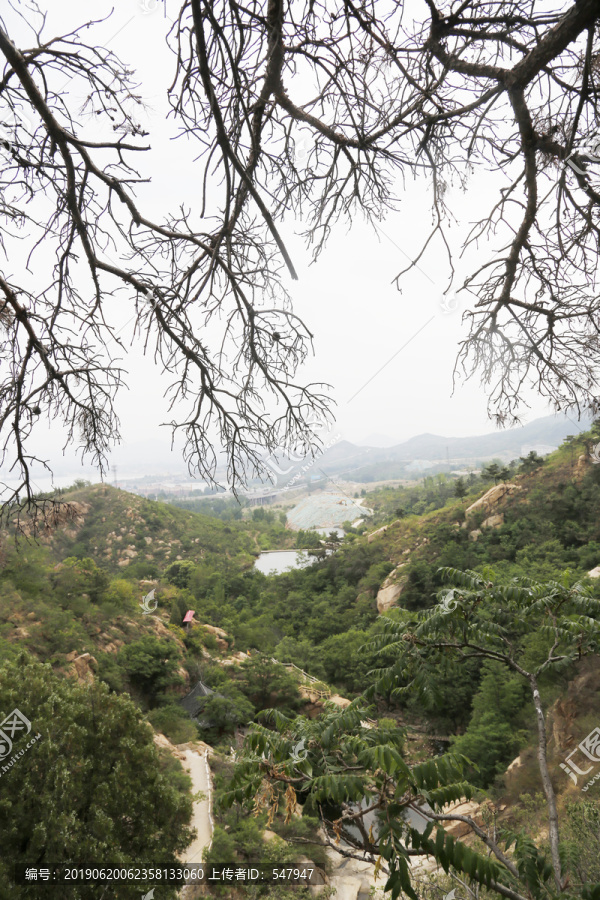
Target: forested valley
[{"x": 431, "y": 693}]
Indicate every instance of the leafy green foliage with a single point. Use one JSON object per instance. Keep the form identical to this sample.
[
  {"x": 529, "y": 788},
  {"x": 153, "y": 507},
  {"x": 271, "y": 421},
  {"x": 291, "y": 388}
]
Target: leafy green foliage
[
  {"x": 268, "y": 684},
  {"x": 93, "y": 787},
  {"x": 151, "y": 665},
  {"x": 340, "y": 759},
  {"x": 223, "y": 713},
  {"x": 173, "y": 722},
  {"x": 496, "y": 728}
]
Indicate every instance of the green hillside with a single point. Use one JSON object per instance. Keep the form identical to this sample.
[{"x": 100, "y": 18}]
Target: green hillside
[{"x": 71, "y": 600}]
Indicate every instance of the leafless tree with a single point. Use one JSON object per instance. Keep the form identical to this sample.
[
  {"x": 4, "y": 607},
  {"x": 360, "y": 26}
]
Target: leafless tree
[{"x": 311, "y": 110}]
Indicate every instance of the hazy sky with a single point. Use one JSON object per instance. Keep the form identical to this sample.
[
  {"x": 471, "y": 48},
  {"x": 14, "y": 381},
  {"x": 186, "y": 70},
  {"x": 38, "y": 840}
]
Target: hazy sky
[{"x": 361, "y": 322}]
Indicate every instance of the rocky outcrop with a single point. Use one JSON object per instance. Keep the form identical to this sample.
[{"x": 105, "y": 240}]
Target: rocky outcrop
[
  {"x": 391, "y": 590},
  {"x": 82, "y": 667},
  {"x": 342, "y": 702},
  {"x": 492, "y": 498},
  {"x": 563, "y": 720},
  {"x": 493, "y": 521},
  {"x": 388, "y": 597},
  {"x": 220, "y": 636},
  {"x": 371, "y": 537},
  {"x": 315, "y": 707},
  {"x": 352, "y": 878},
  {"x": 581, "y": 465},
  {"x": 474, "y": 535},
  {"x": 220, "y": 632},
  {"x": 165, "y": 744},
  {"x": 65, "y": 514},
  {"x": 594, "y": 573},
  {"x": 236, "y": 659},
  {"x": 515, "y": 764},
  {"x": 161, "y": 631},
  {"x": 565, "y": 716},
  {"x": 468, "y": 808}
]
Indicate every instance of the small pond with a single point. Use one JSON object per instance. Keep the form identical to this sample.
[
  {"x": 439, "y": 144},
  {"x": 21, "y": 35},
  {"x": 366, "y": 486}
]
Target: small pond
[{"x": 277, "y": 561}]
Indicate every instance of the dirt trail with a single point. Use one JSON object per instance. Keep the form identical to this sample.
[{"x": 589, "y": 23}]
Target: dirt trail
[{"x": 197, "y": 766}]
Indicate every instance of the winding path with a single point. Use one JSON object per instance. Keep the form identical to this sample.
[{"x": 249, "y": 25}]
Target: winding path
[
  {"x": 196, "y": 763},
  {"x": 197, "y": 766}
]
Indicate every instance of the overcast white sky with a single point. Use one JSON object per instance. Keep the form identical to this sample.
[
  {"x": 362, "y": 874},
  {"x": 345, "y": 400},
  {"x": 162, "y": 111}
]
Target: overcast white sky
[{"x": 360, "y": 320}]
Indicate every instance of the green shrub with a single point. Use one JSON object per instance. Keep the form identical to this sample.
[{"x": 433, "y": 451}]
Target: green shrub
[
  {"x": 173, "y": 721},
  {"x": 110, "y": 672},
  {"x": 151, "y": 665}
]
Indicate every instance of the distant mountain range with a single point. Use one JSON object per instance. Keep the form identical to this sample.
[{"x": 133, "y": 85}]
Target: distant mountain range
[
  {"x": 358, "y": 462},
  {"x": 429, "y": 450}
]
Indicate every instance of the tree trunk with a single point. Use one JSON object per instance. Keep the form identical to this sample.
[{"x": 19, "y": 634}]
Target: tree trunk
[{"x": 547, "y": 784}]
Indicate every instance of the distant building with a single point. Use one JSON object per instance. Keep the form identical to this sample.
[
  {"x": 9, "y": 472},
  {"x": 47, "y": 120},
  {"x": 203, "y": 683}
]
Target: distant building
[{"x": 194, "y": 701}]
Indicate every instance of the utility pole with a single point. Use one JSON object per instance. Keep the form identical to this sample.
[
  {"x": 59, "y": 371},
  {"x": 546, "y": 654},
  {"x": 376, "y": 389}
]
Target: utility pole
[{"x": 114, "y": 471}]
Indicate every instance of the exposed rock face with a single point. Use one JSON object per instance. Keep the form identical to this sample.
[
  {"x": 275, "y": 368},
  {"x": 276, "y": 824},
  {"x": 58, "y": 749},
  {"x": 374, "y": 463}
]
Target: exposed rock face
[
  {"x": 214, "y": 630},
  {"x": 564, "y": 717},
  {"x": 342, "y": 702},
  {"x": 564, "y": 720},
  {"x": 467, "y": 808},
  {"x": 235, "y": 659},
  {"x": 388, "y": 597},
  {"x": 382, "y": 530},
  {"x": 82, "y": 667},
  {"x": 220, "y": 635},
  {"x": 352, "y": 878},
  {"x": 315, "y": 707},
  {"x": 161, "y": 741},
  {"x": 492, "y": 498},
  {"x": 515, "y": 764},
  {"x": 371, "y": 537},
  {"x": 70, "y": 514},
  {"x": 112, "y": 647},
  {"x": 473, "y": 535},
  {"x": 594, "y": 573},
  {"x": 184, "y": 675},
  {"x": 493, "y": 521},
  {"x": 581, "y": 465},
  {"x": 391, "y": 589}
]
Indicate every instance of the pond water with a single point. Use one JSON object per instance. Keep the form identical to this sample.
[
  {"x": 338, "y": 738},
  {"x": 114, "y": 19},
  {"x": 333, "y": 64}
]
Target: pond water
[{"x": 277, "y": 561}]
